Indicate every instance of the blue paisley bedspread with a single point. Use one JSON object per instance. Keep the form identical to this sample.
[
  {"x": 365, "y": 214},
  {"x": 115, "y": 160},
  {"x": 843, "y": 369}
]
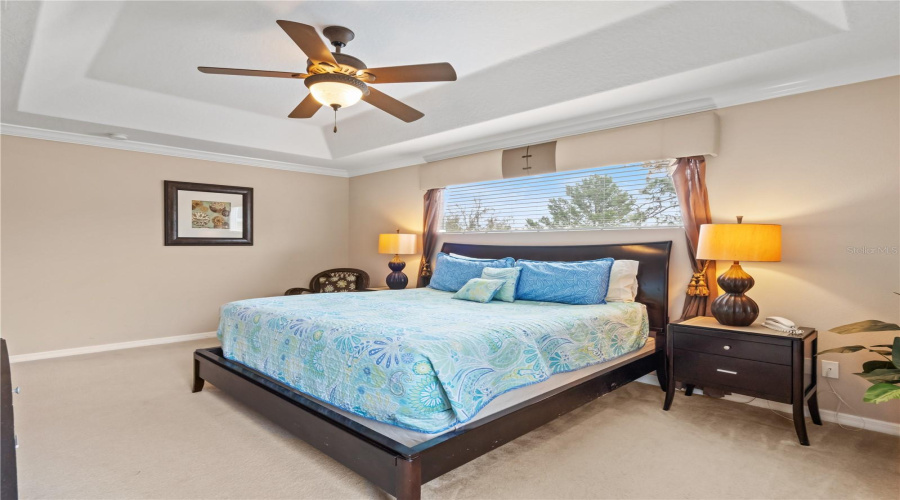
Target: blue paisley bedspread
[{"x": 416, "y": 358}]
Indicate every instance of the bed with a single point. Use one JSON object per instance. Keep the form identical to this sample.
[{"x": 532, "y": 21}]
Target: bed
[{"x": 332, "y": 370}]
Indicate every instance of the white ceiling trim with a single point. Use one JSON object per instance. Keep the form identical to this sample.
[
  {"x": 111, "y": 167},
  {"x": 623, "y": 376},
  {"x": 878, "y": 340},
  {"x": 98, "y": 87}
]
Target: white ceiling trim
[{"x": 144, "y": 147}]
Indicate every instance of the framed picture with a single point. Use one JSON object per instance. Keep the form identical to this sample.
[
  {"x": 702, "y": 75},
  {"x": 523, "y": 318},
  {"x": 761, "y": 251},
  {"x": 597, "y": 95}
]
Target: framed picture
[{"x": 208, "y": 214}]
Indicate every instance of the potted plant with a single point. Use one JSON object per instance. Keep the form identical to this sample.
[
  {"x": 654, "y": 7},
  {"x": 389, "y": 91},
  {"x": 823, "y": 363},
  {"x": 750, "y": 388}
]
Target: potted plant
[{"x": 884, "y": 374}]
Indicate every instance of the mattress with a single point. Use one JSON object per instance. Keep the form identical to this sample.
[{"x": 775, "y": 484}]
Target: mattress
[{"x": 417, "y": 359}]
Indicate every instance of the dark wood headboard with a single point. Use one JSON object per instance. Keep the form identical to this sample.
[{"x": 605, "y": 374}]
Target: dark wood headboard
[{"x": 653, "y": 271}]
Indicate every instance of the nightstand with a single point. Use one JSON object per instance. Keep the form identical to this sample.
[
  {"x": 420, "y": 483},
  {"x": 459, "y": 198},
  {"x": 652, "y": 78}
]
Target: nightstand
[
  {"x": 375, "y": 289},
  {"x": 751, "y": 360}
]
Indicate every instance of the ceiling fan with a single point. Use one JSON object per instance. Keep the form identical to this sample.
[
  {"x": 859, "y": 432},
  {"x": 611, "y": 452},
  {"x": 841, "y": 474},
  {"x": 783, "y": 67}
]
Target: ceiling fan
[{"x": 339, "y": 80}]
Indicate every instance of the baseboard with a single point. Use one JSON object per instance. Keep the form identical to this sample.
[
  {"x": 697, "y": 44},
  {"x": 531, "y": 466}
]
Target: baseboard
[
  {"x": 827, "y": 415},
  {"x": 109, "y": 347}
]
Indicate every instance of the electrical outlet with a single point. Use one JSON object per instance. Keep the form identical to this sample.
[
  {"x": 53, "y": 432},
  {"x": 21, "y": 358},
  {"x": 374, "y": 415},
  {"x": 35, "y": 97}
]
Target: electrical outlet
[{"x": 830, "y": 369}]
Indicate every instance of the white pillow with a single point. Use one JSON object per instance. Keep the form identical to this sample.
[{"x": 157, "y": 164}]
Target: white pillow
[{"x": 623, "y": 285}]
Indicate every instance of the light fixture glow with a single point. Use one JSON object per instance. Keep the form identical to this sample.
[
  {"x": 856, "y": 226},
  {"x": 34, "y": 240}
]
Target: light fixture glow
[{"x": 336, "y": 93}]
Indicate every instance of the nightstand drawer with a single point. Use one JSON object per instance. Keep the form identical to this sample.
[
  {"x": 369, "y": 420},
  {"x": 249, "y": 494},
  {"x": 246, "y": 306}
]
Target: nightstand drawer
[
  {"x": 719, "y": 345},
  {"x": 755, "y": 376}
]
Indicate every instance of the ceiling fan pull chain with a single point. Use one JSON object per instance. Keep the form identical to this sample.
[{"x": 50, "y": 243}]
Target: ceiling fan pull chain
[{"x": 335, "y": 117}]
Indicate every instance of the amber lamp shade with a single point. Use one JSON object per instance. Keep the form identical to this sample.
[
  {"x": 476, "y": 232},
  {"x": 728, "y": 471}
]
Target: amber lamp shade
[
  {"x": 738, "y": 242},
  {"x": 397, "y": 244}
]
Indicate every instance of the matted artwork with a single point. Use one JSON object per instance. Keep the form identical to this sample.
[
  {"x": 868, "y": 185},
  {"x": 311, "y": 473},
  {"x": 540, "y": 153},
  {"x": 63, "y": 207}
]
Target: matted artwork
[{"x": 208, "y": 214}]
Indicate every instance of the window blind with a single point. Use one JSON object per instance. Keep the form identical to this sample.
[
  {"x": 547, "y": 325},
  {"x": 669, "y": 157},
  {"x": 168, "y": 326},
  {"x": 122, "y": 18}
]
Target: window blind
[{"x": 637, "y": 195}]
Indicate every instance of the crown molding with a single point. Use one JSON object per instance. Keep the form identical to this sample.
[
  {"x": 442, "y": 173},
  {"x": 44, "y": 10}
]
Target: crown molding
[
  {"x": 158, "y": 149},
  {"x": 584, "y": 125}
]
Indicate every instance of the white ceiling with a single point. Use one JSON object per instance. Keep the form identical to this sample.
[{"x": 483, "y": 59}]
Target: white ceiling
[{"x": 528, "y": 71}]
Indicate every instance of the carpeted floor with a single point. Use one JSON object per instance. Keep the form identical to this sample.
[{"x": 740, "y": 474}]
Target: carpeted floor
[{"x": 124, "y": 424}]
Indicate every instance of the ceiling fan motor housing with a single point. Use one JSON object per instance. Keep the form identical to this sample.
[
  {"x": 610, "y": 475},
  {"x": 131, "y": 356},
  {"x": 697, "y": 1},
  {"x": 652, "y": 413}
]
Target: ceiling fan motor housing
[
  {"x": 347, "y": 65},
  {"x": 337, "y": 78}
]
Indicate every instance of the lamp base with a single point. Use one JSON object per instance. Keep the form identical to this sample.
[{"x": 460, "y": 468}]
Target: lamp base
[
  {"x": 396, "y": 280},
  {"x": 733, "y": 308}
]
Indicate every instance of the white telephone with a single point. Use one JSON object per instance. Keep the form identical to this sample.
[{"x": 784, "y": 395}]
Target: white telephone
[{"x": 781, "y": 324}]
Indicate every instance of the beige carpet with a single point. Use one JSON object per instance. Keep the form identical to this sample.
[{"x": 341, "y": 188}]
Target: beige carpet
[{"x": 124, "y": 424}]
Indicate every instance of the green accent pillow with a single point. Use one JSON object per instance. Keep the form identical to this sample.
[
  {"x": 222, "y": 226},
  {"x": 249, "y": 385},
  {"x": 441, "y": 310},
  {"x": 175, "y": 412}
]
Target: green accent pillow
[
  {"x": 479, "y": 290},
  {"x": 510, "y": 275}
]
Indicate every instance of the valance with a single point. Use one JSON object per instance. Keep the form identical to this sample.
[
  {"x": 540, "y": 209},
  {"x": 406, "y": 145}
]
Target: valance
[
  {"x": 487, "y": 166},
  {"x": 683, "y": 136},
  {"x": 679, "y": 137}
]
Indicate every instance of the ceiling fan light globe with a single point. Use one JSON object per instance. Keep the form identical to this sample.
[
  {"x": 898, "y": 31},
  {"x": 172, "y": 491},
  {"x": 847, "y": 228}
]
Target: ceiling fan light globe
[
  {"x": 335, "y": 93},
  {"x": 336, "y": 89}
]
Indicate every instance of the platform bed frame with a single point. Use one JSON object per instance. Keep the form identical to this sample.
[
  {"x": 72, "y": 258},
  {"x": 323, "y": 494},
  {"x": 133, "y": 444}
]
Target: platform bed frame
[{"x": 401, "y": 470}]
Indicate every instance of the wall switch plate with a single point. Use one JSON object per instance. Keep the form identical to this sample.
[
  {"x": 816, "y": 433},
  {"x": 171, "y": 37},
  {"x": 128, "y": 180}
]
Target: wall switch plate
[{"x": 834, "y": 371}]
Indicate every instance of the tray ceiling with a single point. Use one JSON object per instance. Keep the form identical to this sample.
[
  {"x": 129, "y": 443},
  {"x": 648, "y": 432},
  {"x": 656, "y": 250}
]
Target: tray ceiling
[{"x": 526, "y": 70}]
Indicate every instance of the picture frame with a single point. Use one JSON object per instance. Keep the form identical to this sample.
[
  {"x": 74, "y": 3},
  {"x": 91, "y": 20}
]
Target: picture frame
[{"x": 207, "y": 214}]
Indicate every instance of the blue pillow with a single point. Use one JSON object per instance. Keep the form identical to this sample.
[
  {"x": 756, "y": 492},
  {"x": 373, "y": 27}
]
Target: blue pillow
[
  {"x": 579, "y": 283},
  {"x": 451, "y": 273},
  {"x": 466, "y": 257},
  {"x": 510, "y": 275},
  {"x": 479, "y": 290}
]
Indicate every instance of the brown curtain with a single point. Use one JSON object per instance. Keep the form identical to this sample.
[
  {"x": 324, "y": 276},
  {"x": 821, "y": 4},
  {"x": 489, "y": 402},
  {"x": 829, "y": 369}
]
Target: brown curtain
[
  {"x": 689, "y": 177},
  {"x": 434, "y": 203}
]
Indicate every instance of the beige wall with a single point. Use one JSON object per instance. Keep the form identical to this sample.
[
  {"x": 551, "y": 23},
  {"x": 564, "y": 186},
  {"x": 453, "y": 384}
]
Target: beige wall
[
  {"x": 825, "y": 165},
  {"x": 83, "y": 260}
]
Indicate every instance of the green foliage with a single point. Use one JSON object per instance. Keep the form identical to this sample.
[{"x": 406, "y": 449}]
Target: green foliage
[
  {"x": 658, "y": 196},
  {"x": 592, "y": 202},
  {"x": 895, "y": 352},
  {"x": 869, "y": 325},
  {"x": 876, "y": 364},
  {"x": 889, "y": 375},
  {"x": 879, "y": 393},
  {"x": 884, "y": 374},
  {"x": 597, "y": 201},
  {"x": 843, "y": 350}
]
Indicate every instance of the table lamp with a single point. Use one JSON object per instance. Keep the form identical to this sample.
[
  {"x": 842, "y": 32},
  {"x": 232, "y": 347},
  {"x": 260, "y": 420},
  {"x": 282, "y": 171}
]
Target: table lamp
[
  {"x": 737, "y": 242},
  {"x": 397, "y": 244}
]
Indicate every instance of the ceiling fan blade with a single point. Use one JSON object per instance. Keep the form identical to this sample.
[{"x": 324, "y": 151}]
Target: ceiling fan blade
[
  {"x": 436, "y": 72},
  {"x": 306, "y": 108},
  {"x": 251, "y": 72},
  {"x": 392, "y": 106},
  {"x": 309, "y": 41}
]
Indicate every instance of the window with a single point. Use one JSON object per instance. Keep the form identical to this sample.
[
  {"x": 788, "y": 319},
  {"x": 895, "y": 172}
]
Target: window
[{"x": 637, "y": 195}]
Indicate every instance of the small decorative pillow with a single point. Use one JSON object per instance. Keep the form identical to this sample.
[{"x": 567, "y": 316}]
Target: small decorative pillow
[
  {"x": 479, "y": 290},
  {"x": 578, "y": 283},
  {"x": 451, "y": 273},
  {"x": 623, "y": 285},
  {"x": 510, "y": 275}
]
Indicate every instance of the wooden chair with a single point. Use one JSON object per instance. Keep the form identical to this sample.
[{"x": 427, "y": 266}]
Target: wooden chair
[{"x": 343, "y": 279}]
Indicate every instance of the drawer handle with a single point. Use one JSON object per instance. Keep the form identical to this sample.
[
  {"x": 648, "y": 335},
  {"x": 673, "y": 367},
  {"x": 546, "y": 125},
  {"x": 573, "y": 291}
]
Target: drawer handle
[
  {"x": 726, "y": 371},
  {"x": 727, "y": 348}
]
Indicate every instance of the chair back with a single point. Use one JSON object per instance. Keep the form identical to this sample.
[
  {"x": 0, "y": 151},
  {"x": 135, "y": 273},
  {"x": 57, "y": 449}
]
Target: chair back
[{"x": 343, "y": 279}]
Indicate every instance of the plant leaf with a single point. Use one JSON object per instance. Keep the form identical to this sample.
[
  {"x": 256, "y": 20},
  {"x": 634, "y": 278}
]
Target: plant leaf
[
  {"x": 882, "y": 345},
  {"x": 876, "y": 365},
  {"x": 880, "y": 351},
  {"x": 889, "y": 375},
  {"x": 879, "y": 393},
  {"x": 843, "y": 350},
  {"x": 869, "y": 325},
  {"x": 896, "y": 352}
]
